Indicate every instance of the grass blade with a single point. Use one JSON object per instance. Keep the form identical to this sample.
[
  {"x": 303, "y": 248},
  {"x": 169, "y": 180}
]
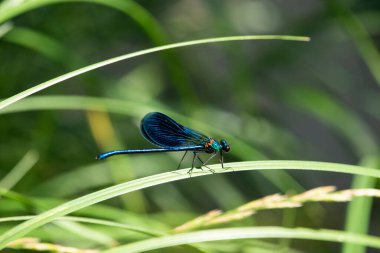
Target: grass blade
[
  {"x": 137, "y": 229},
  {"x": 88, "y": 68},
  {"x": 21, "y": 168},
  {"x": 166, "y": 177},
  {"x": 360, "y": 207},
  {"x": 246, "y": 233}
]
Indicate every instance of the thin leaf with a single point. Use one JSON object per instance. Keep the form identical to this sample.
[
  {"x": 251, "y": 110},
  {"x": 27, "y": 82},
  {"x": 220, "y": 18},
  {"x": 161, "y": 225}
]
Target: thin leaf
[
  {"x": 246, "y": 233},
  {"x": 109, "y": 223},
  {"x": 360, "y": 208},
  {"x": 88, "y": 68},
  {"x": 21, "y": 168},
  {"x": 166, "y": 177}
]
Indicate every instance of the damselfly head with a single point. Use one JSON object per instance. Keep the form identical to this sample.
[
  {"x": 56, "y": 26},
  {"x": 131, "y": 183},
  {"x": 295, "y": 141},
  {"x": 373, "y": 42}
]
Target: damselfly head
[{"x": 225, "y": 145}]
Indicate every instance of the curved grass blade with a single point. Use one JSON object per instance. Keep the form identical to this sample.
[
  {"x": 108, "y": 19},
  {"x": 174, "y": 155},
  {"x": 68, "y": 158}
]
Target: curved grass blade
[
  {"x": 5, "y": 28},
  {"x": 359, "y": 35},
  {"x": 355, "y": 130},
  {"x": 18, "y": 172},
  {"x": 40, "y": 43},
  {"x": 132, "y": 9},
  {"x": 88, "y": 68},
  {"x": 166, "y": 177},
  {"x": 247, "y": 233},
  {"x": 109, "y": 223}
]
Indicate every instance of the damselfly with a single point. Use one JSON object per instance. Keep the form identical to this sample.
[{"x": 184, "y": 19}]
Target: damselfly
[{"x": 169, "y": 135}]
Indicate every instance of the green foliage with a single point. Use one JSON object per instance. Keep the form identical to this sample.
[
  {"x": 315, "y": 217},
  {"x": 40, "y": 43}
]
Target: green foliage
[{"x": 208, "y": 65}]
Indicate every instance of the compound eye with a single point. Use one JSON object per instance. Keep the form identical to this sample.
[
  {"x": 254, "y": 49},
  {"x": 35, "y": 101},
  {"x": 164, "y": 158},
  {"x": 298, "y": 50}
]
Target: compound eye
[{"x": 225, "y": 146}]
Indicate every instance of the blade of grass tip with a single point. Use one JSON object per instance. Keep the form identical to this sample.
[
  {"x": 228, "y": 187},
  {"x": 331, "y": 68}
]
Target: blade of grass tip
[
  {"x": 360, "y": 207},
  {"x": 166, "y": 177},
  {"x": 21, "y": 168},
  {"x": 246, "y": 233},
  {"x": 88, "y": 68}
]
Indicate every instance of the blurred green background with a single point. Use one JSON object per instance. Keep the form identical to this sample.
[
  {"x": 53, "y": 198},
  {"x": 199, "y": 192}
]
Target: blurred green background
[{"x": 270, "y": 99}]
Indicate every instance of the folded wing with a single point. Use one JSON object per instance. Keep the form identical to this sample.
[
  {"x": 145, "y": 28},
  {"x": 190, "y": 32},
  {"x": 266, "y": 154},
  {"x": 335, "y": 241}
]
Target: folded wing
[{"x": 163, "y": 131}]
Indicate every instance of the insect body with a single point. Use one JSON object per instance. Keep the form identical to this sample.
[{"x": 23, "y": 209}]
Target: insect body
[{"x": 169, "y": 135}]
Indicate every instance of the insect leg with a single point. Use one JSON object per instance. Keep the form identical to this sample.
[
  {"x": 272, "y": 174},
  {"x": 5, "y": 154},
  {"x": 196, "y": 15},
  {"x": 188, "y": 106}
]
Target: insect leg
[
  {"x": 201, "y": 162},
  {"x": 208, "y": 159},
  {"x": 222, "y": 161},
  {"x": 181, "y": 160},
  {"x": 192, "y": 164}
]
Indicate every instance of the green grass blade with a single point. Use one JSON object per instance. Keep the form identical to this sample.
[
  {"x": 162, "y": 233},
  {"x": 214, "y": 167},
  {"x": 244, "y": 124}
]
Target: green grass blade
[
  {"x": 21, "y": 168},
  {"x": 132, "y": 9},
  {"x": 358, "y": 134},
  {"x": 370, "y": 55},
  {"x": 39, "y": 42},
  {"x": 166, "y": 177},
  {"x": 359, "y": 35},
  {"x": 138, "y": 229},
  {"x": 5, "y": 28},
  {"x": 88, "y": 68},
  {"x": 246, "y": 233},
  {"x": 335, "y": 115},
  {"x": 152, "y": 27},
  {"x": 142, "y": 17},
  {"x": 360, "y": 207},
  {"x": 84, "y": 232}
]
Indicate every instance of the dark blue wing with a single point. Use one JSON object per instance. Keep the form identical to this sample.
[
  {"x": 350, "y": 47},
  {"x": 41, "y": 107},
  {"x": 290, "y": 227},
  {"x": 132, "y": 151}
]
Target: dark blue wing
[{"x": 163, "y": 131}]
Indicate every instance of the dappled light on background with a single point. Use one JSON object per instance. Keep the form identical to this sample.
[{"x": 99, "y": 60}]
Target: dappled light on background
[{"x": 254, "y": 16}]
